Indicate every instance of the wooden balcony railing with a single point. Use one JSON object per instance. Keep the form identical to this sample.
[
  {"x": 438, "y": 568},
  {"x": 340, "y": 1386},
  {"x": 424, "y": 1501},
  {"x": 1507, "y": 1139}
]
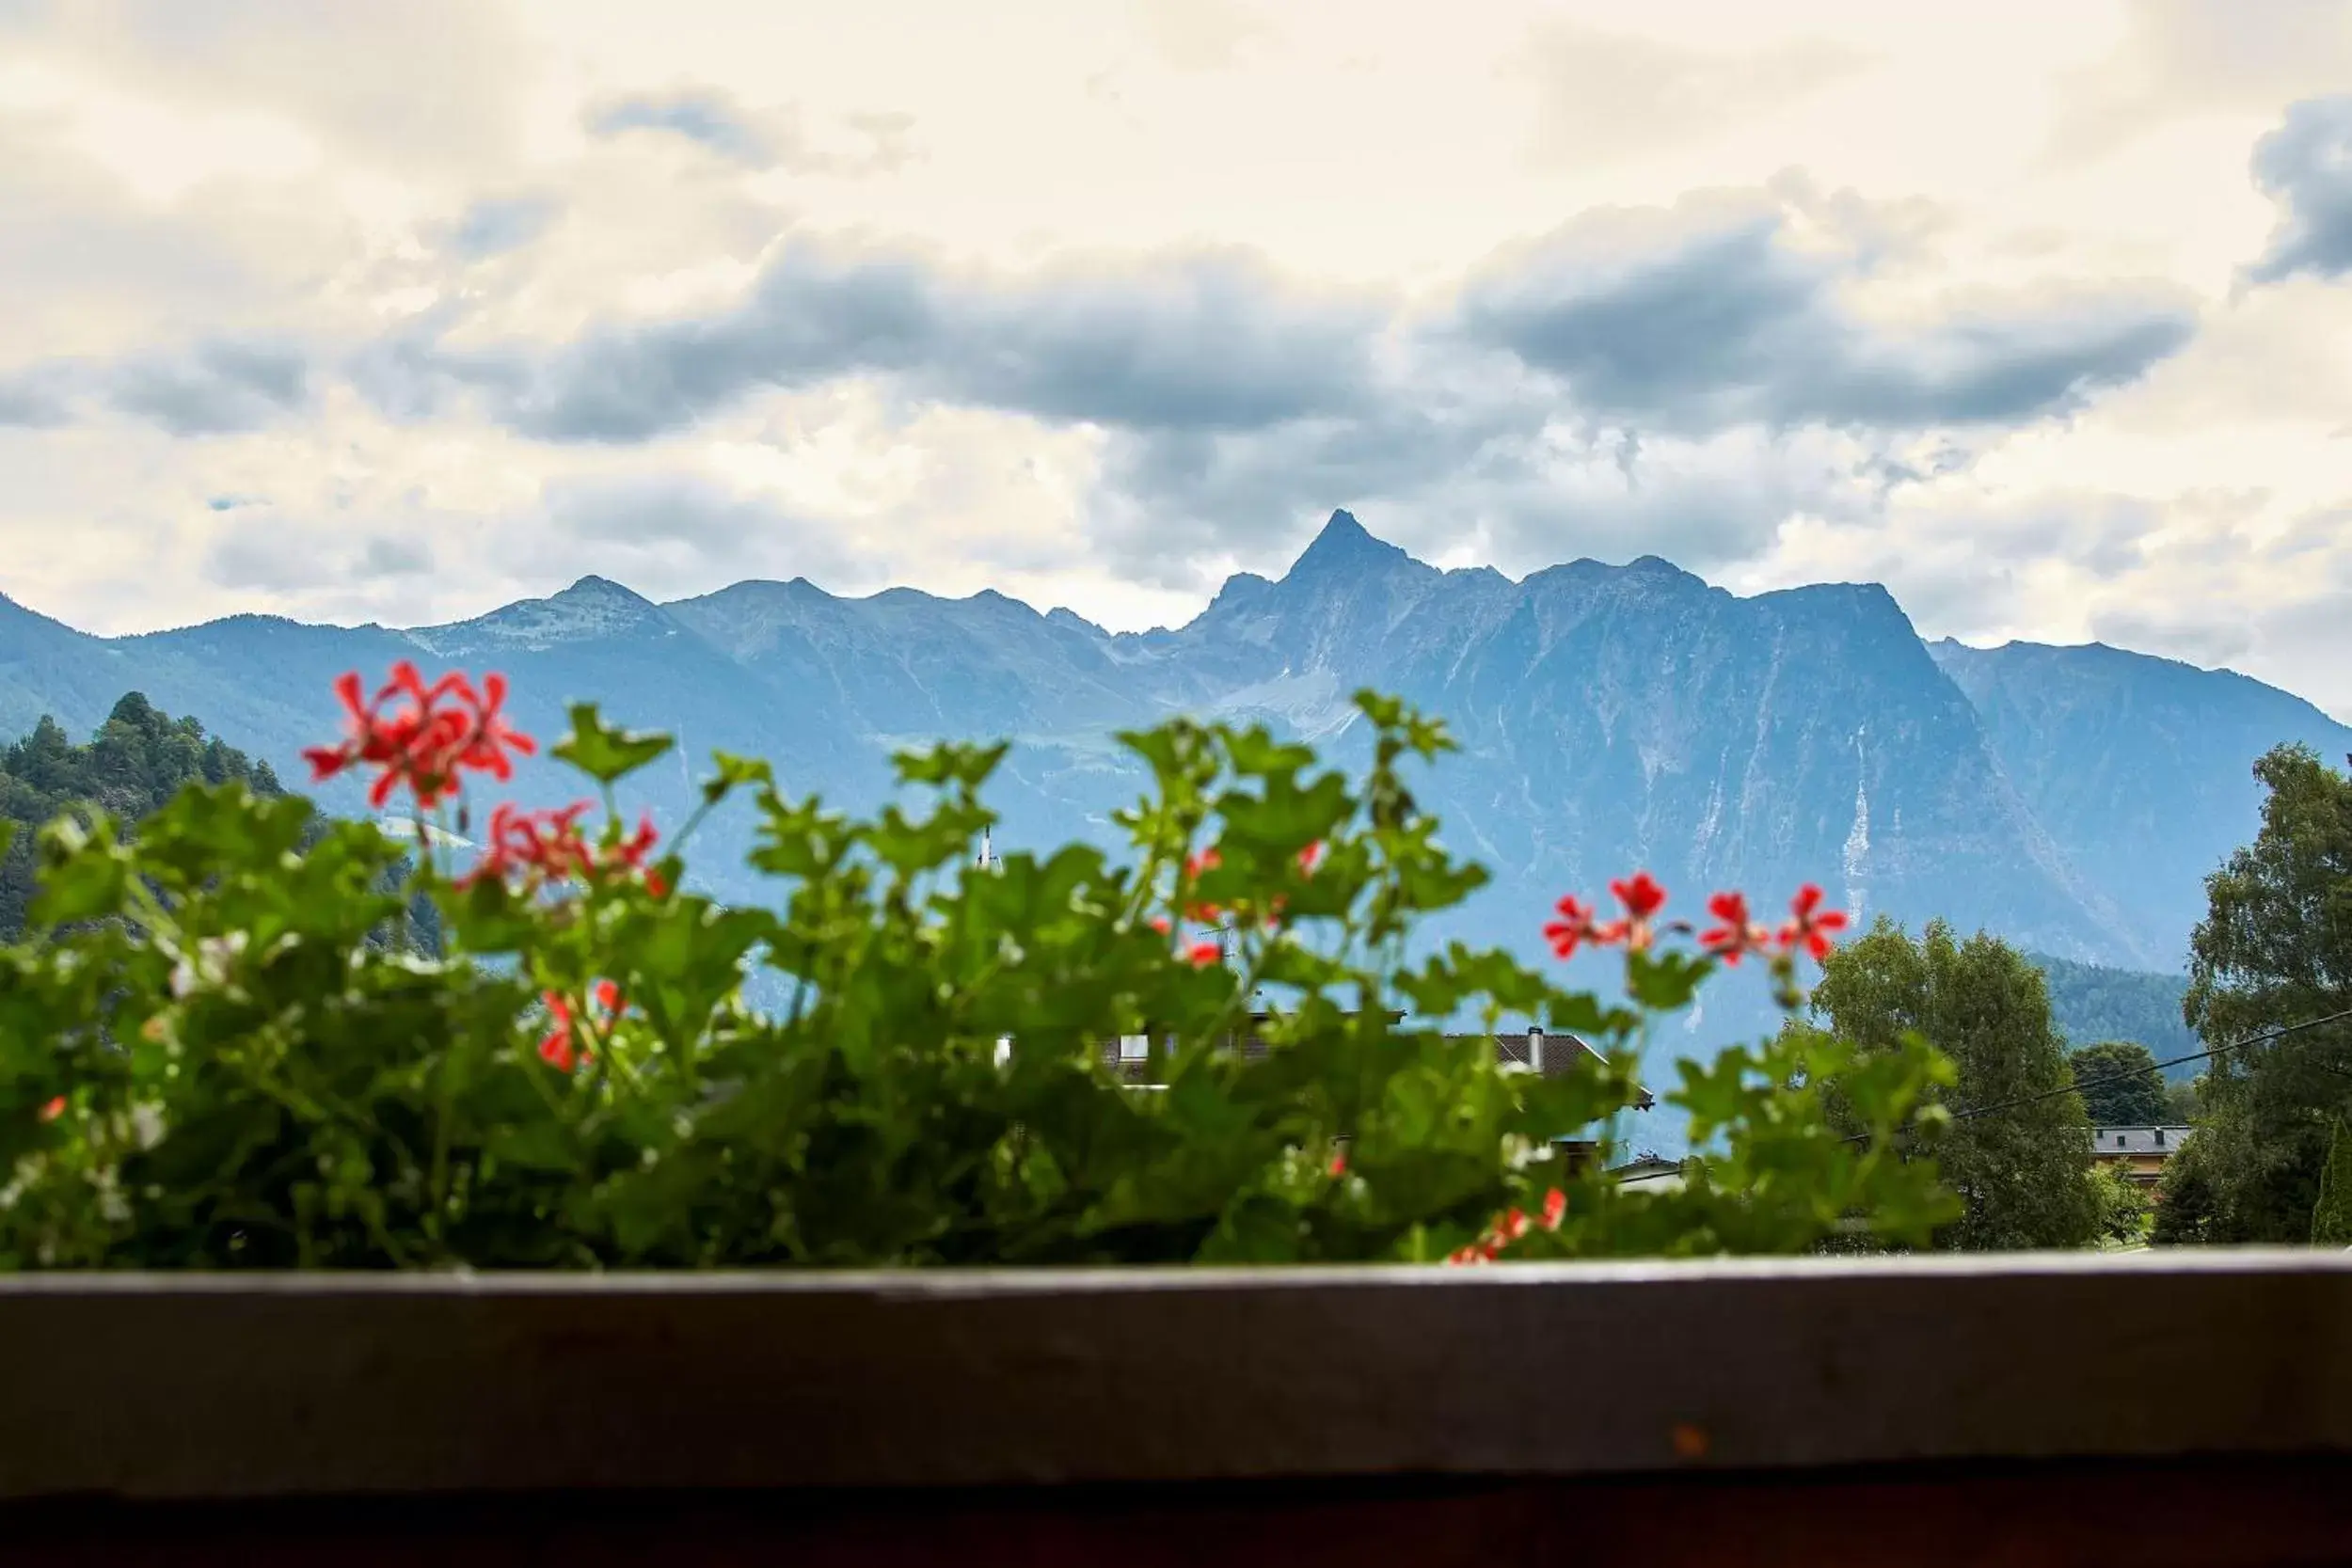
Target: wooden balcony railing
[{"x": 2172, "y": 1407}]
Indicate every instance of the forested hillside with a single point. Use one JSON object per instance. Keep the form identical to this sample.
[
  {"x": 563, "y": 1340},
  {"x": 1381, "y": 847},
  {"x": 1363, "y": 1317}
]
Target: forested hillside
[
  {"x": 2091, "y": 1004},
  {"x": 139, "y": 759}
]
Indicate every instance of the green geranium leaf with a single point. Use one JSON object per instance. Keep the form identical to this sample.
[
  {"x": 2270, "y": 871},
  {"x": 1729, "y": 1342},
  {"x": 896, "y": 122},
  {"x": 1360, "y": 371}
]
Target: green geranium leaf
[{"x": 605, "y": 754}]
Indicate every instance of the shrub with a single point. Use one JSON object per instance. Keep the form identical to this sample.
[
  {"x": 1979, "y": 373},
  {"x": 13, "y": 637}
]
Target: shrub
[{"x": 206, "y": 1061}]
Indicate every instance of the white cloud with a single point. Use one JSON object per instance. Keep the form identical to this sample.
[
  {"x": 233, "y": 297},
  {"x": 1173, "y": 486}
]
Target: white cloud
[{"x": 1605, "y": 95}]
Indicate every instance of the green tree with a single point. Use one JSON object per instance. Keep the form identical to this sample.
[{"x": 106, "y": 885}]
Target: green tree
[
  {"x": 2331, "y": 1216},
  {"x": 2275, "y": 949},
  {"x": 2023, "y": 1175},
  {"x": 2180, "y": 1103},
  {"x": 2122, "y": 1205},
  {"x": 2119, "y": 1085},
  {"x": 2187, "y": 1193}
]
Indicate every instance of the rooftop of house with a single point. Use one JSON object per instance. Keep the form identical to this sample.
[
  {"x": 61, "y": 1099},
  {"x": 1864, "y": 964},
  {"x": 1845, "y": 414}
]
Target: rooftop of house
[
  {"x": 1557, "y": 1050},
  {"x": 2137, "y": 1140}
]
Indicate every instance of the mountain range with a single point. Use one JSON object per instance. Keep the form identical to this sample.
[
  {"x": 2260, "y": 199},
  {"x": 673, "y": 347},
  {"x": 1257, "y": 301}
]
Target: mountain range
[{"x": 2069, "y": 799}]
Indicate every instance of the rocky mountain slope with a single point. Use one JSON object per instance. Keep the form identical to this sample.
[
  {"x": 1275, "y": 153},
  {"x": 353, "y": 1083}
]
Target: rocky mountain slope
[{"x": 2141, "y": 767}]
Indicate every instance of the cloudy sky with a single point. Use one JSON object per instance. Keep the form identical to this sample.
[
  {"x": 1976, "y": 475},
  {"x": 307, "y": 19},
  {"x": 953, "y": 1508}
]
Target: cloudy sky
[{"x": 2039, "y": 313}]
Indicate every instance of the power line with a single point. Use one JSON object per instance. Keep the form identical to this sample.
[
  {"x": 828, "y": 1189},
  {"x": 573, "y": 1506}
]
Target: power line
[
  {"x": 2262, "y": 1037},
  {"x": 2127, "y": 1074}
]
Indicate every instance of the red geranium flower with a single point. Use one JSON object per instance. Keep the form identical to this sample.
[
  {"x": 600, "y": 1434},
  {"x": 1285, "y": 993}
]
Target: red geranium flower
[
  {"x": 559, "y": 1047},
  {"x": 1812, "y": 926},
  {"x": 541, "y": 844},
  {"x": 555, "y": 1046},
  {"x": 1576, "y": 929},
  {"x": 551, "y": 846},
  {"x": 488, "y": 737},
  {"x": 1738, "y": 935},
  {"x": 1555, "y": 1209},
  {"x": 1642, "y": 897},
  {"x": 420, "y": 743},
  {"x": 631, "y": 854},
  {"x": 1199, "y": 953},
  {"x": 1195, "y": 867}
]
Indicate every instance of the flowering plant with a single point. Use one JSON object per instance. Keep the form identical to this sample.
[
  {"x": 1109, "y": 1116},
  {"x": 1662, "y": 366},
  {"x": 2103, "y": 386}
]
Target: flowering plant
[{"x": 210, "y": 1056}]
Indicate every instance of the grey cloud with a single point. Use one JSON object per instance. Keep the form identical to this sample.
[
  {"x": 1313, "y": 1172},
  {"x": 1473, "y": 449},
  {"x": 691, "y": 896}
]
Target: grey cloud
[
  {"x": 704, "y": 116},
  {"x": 2191, "y": 602},
  {"x": 757, "y": 138},
  {"x": 265, "y": 554},
  {"x": 1202, "y": 341},
  {"x": 1710, "y": 315},
  {"x": 35, "y": 398},
  {"x": 1170, "y": 503},
  {"x": 1965, "y": 566},
  {"x": 670, "y": 532},
  {"x": 1503, "y": 464},
  {"x": 496, "y": 225},
  {"x": 683, "y": 509},
  {"x": 2306, "y": 168},
  {"x": 268, "y": 560},
  {"x": 390, "y": 556},
  {"x": 217, "y": 387},
  {"x": 413, "y": 373},
  {"x": 2210, "y": 640}
]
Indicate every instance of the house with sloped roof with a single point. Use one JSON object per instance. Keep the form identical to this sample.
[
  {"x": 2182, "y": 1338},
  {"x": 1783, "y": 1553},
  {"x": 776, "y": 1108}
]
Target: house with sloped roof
[
  {"x": 2136, "y": 1154},
  {"x": 1552, "y": 1054}
]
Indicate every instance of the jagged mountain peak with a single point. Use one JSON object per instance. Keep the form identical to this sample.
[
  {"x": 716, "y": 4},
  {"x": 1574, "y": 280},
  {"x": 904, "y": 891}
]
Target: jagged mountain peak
[{"x": 1345, "y": 546}]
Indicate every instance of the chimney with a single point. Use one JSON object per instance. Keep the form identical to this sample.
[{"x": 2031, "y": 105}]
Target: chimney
[{"x": 1536, "y": 1046}]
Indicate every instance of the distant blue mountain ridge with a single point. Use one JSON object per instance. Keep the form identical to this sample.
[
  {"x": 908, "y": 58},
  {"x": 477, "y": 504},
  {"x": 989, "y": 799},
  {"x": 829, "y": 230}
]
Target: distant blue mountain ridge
[{"x": 2069, "y": 798}]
